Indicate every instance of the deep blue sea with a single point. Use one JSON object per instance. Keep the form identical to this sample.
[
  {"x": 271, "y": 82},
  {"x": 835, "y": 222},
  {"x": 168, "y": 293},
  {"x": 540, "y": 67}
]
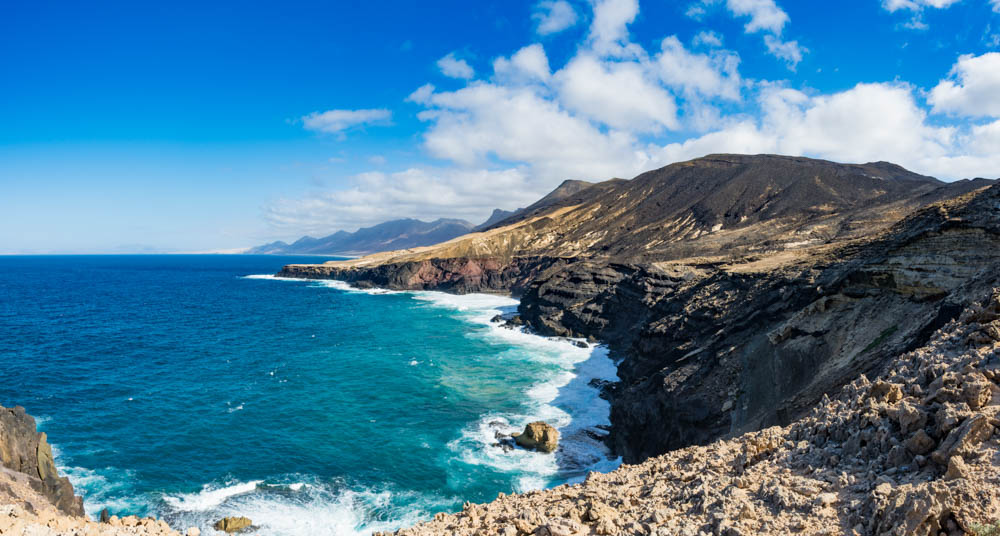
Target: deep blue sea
[{"x": 197, "y": 386}]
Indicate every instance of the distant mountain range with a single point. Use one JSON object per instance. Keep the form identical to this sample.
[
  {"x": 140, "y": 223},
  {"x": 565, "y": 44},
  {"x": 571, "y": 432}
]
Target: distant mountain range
[{"x": 391, "y": 235}]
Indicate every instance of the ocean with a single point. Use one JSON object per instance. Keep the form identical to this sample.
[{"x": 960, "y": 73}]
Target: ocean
[{"x": 192, "y": 387}]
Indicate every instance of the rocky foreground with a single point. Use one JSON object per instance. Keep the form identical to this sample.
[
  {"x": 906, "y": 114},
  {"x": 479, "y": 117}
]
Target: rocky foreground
[
  {"x": 915, "y": 452},
  {"x": 36, "y": 501}
]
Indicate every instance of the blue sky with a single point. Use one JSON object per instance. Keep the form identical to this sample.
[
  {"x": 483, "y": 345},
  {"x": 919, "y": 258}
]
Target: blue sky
[{"x": 190, "y": 127}]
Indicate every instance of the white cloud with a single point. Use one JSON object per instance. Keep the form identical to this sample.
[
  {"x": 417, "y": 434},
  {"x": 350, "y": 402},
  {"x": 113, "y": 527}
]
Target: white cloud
[
  {"x": 422, "y": 94},
  {"x": 337, "y": 121},
  {"x": 972, "y": 89},
  {"x": 526, "y": 65},
  {"x": 790, "y": 51},
  {"x": 553, "y": 16},
  {"x": 917, "y": 5},
  {"x": 710, "y": 38},
  {"x": 609, "y": 29},
  {"x": 455, "y": 68},
  {"x": 996, "y": 5},
  {"x": 618, "y": 94},
  {"x": 425, "y": 193},
  {"x": 765, "y": 15},
  {"x": 484, "y": 121},
  {"x": 714, "y": 75}
]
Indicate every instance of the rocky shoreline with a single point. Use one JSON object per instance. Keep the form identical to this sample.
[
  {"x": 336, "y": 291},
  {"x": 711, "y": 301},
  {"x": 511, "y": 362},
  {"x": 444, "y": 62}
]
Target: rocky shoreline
[
  {"x": 701, "y": 342},
  {"x": 915, "y": 452},
  {"x": 35, "y": 500}
]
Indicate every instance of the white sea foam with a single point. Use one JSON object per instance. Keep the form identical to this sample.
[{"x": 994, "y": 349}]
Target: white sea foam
[
  {"x": 301, "y": 508},
  {"x": 562, "y": 396},
  {"x": 210, "y": 496},
  {"x": 272, "y": 277}
]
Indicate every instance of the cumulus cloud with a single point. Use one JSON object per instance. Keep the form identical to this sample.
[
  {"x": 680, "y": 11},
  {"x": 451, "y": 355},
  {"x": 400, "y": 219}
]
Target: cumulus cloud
[
  {"x": 764, "y": 16},
  {"x": 526, "y": 65},
  {"x": 618, "y": 94},
  {"x": 453, "y": 67},
  {"x": 484, "y": 122},
  {"x": 711, "y": 75},
  {"x": 609, "y": 29},
  {"x": 337, "y": 121},
  {"x": 553, "y": 16},
  {"x": 972, "y": 88},
  {"x": 424, "y": 193}
]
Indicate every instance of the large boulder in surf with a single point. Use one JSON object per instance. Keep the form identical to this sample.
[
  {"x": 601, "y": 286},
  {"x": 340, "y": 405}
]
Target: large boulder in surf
[
  {"x": 539, "y": 436},
  {"x": 233, "y": 524}
]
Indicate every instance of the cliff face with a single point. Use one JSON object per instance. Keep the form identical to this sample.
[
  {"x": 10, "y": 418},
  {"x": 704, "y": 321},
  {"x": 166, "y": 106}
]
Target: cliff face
[
  {"x": 25, "y": 450},
  {"x": 737, "y": 290},
  {"x": 713, "y": 350},
  {"x": 459, "y": 275}
]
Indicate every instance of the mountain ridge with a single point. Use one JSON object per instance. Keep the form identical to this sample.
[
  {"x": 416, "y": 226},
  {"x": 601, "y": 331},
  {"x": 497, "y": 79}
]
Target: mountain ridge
[{"x": 394, "y": 234}]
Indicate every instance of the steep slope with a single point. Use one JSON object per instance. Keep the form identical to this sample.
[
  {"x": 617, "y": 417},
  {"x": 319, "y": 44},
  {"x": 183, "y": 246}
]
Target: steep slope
[
  {"x": 395, "y": 234},
  {"x": 716, "y": 349},
  {"x": 496, "y": 217}
]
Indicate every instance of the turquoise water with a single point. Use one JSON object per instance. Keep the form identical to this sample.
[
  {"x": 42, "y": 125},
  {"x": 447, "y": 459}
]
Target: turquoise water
[{"x": 193, "y": 387}]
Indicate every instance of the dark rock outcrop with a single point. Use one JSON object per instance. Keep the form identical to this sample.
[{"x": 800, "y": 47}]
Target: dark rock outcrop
[
  {"x": 718, "y": 350},
  {"x": 25, "y": 450}
]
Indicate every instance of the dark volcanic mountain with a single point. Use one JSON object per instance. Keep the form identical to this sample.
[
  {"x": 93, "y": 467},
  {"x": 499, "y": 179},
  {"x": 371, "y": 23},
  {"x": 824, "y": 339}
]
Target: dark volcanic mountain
[
  {"x": 737, "y": 290},
  {"x": 396, "y": 234}
]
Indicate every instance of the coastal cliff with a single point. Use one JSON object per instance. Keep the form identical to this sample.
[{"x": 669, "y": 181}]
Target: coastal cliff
[{"x": 737, "y": 291}]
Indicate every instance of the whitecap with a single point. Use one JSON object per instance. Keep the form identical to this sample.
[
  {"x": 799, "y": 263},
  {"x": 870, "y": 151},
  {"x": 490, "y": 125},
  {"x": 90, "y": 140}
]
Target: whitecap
[
  {"x": 301, "y": 508},
  {"x": 209, "y": 496}
]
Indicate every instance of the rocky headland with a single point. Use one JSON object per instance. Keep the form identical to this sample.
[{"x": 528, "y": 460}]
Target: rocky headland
[{"x": 740, "y": 294}]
